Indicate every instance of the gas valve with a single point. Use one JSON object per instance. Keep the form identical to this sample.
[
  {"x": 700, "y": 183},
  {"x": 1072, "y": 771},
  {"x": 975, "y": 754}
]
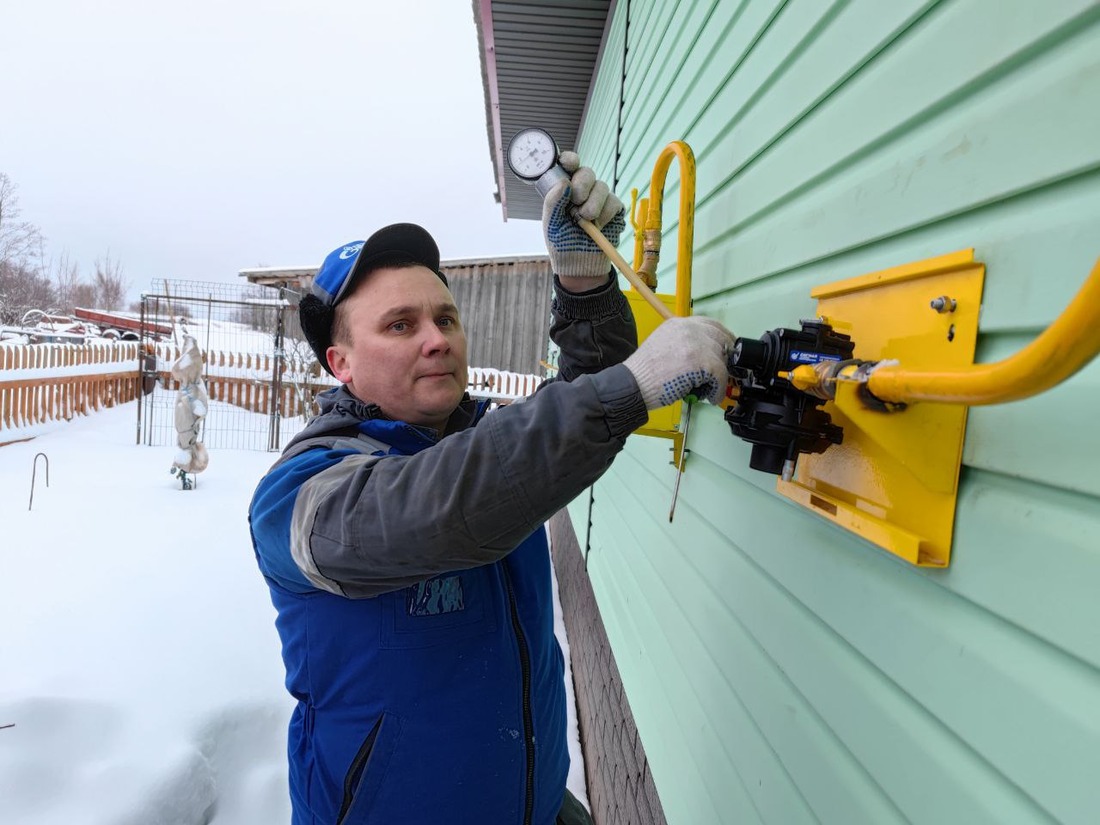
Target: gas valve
[{"x": 779, "y": 420}]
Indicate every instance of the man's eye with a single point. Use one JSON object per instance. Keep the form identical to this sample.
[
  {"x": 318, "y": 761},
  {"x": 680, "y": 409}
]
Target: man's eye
[
  {"x": 399, "y": 326},
  {"x": 447, "y": 321}
]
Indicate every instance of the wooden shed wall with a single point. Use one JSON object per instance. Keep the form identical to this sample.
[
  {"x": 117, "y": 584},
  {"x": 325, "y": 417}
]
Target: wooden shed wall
[
  {"x": 505, "y": 307},
  {"x": 780, "y": 669}
]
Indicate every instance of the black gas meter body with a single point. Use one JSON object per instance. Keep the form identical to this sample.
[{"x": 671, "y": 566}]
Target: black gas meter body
[{"x": 779, "y": 420}]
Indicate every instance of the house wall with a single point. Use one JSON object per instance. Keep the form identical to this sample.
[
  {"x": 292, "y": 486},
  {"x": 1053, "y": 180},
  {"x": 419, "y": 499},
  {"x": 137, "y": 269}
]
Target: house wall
[{"x": 779, "y": 669}]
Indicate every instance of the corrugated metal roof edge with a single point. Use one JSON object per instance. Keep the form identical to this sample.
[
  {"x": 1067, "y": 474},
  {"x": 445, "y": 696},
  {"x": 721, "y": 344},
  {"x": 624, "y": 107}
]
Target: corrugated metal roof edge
[{"x": 483, "y": 17}]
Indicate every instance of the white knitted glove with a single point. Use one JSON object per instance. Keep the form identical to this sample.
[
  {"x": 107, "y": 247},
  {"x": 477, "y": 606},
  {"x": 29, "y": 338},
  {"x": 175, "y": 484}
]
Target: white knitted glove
[
  {"x": 572, "y": 253},
  {"x": 682, "y": 356}
]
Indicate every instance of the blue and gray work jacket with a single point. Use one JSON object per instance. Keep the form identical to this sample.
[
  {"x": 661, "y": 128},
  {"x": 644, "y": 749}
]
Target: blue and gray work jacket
[{"x": 412, "y": 582}]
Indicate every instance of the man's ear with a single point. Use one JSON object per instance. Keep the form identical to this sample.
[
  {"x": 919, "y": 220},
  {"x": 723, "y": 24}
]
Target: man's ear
[{"x": 338, "y": 363}]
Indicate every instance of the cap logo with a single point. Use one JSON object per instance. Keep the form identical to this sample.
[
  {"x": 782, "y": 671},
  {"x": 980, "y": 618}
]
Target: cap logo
[{"x": 350, "y": 251}]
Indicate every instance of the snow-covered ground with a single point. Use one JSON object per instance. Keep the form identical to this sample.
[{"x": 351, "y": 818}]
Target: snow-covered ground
[{"x": 140, "y": 677}]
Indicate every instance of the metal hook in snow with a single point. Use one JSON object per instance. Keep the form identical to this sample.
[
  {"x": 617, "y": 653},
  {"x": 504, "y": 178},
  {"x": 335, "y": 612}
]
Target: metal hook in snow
[{"x": 34, "y": 472}]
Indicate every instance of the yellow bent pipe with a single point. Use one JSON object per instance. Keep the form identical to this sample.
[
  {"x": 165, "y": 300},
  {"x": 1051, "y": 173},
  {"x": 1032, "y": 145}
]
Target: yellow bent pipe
[
  {"x": 650, "y": 249},
  {"x": 1062, "y": 349},
  {"x": 686, "y": 237}
]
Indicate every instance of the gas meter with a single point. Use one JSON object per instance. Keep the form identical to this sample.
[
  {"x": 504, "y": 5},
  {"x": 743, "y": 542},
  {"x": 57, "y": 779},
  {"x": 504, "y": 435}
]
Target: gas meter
[{"x": 779, "y": 420}]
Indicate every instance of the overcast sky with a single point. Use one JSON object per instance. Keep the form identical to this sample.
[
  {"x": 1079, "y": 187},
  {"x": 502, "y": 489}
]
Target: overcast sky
[{"x": 192, "y": 140}]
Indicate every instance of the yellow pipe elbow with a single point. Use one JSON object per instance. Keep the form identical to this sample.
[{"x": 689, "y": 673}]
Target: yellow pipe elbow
[
  {"x": 1062, "y": 349},
  {"x": 682, "y": 152}
]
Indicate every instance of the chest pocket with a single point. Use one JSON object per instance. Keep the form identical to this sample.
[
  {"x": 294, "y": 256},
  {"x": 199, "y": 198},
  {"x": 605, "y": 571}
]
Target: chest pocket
[{"x": 439, "y": 611}]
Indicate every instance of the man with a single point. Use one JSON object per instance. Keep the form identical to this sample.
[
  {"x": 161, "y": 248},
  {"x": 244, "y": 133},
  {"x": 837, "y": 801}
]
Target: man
[{"x": 401, "y": 533}]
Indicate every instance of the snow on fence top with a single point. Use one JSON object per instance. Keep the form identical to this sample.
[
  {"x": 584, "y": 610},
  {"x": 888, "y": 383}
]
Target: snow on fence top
[
  {"x": 38, "y": 361},
  {"x": 45, "y": 383},
  {"x": 500, "y": 385}
]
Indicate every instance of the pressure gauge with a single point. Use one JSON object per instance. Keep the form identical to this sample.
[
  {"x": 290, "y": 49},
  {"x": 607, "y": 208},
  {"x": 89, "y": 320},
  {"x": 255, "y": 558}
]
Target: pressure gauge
[
  {"x": 531, "y": 154},
  {"x": 533, "y": 158}
]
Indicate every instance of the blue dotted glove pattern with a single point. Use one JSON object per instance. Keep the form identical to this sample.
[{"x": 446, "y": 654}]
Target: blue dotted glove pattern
[
  {"x": 683, "y": 384},
  {"x": 563, "y": 234}
]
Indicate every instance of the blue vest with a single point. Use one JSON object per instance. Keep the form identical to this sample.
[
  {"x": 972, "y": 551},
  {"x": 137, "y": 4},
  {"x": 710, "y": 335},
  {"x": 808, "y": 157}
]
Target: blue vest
[{"x": 442, "y": 703}]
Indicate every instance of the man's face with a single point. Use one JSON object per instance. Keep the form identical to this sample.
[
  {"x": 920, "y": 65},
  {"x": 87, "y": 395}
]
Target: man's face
[{"x": 407, "y": 349}]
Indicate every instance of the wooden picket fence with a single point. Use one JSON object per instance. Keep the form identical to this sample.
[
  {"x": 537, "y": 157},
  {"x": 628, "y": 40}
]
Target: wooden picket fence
[
  {"x": 44, "y": 383},
  {"x": 499, "y": 385}
]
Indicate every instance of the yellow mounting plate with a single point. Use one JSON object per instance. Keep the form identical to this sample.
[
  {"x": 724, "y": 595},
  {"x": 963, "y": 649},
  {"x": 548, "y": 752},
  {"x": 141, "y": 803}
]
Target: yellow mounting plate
[
  {"x": 894, "y": 480},
  {"x": 663, "y": 422}
]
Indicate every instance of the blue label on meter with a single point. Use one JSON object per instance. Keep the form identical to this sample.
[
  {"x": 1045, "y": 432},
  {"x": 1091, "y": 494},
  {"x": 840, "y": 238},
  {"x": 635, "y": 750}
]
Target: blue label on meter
[{"x": 800, "y": 357}]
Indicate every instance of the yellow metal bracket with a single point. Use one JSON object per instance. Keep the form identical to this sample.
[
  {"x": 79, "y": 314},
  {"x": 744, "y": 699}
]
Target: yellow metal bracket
[
  {"x": 894, "y": 479},
  {"x": 664, "y": 422}
]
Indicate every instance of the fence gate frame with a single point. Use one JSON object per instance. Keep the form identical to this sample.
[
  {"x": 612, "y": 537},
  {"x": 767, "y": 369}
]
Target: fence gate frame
[{"x": 161, "y": 323}]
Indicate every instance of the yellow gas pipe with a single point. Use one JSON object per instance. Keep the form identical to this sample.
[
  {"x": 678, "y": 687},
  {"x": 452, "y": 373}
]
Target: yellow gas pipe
[
  {"x": 1062, "y": 349},
  {"x": 651, "y": 246},
  {"x": 646, "y": 277}
]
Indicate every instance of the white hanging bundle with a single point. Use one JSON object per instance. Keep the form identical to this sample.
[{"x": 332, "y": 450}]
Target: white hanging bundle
[{"x": 191, "y": 406}]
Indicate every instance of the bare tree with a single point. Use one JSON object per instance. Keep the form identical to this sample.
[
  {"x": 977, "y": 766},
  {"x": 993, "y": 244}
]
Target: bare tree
[
  {"x": 21, "y": 289},
  {"x": 84, "y": 295},
  {"x": 110, "y": 288},
  {"x": 22, "y": 286},
  {"x": 66, "y": 275},
  {"x": 20, "y": 241}
]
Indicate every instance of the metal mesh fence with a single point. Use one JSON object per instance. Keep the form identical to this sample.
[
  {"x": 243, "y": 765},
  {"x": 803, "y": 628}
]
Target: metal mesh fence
[{"x": 260, "y": 373}]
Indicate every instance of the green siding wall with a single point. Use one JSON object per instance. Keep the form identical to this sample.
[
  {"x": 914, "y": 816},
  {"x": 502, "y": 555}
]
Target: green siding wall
[{"x": 780, "y": 669}]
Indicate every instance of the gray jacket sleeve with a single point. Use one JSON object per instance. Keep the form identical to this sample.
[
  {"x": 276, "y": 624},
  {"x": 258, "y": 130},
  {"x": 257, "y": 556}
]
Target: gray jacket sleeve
[
  {"x": 373, "y": 524},
  {"x": 594, "y": 329}
]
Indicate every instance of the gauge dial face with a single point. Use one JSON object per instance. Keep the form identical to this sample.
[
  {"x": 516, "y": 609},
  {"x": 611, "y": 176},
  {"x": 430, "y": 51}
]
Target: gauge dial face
[{"x": 532, "y": 153}]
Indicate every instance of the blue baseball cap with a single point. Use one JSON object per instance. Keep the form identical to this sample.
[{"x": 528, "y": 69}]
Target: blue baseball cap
[{"x": 399, "y": 241}]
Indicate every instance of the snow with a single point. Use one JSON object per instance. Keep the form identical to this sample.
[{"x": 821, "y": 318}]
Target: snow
[{"x": 140, "y": 672}]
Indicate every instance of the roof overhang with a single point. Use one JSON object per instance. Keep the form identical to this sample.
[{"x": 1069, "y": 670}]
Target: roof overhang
[
  {"x": 538, "y": 61},
  {"x": 279, "y": 276}
]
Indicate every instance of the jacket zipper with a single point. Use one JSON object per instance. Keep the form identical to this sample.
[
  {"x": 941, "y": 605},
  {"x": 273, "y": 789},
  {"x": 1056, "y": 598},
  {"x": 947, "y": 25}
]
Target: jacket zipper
[
  {"x": 528, "y": 725},
  {"x": 355, "y": 772}
]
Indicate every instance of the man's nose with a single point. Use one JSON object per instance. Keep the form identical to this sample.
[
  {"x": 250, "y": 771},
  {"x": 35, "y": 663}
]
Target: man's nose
[{"x": 435, "y": 341}]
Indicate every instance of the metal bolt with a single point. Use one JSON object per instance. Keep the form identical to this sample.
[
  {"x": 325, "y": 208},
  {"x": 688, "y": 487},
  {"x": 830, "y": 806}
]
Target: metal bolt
[{"x": 943, "y": 304}]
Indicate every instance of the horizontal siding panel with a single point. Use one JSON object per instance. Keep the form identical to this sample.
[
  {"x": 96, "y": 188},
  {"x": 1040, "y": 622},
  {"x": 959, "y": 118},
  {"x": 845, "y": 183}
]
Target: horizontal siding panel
[
  {"x": 1029, "y": 554},
  {"x": 648, "y": 46},
  {"x": 701, "y": 638},
  {"x": 933, "y": 168},
  {"x": 598, "y": 139},
  {"x": 707, "y": 748},
  {"x": 1051, "y": 438},
  {"x": 779, "y": 668},
  {"x": 965, "y": 672},
  {"x": 1005, "y": 687},
  {"x": 1037, "y": 248},
  {"x": 723, "y": 42}
]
